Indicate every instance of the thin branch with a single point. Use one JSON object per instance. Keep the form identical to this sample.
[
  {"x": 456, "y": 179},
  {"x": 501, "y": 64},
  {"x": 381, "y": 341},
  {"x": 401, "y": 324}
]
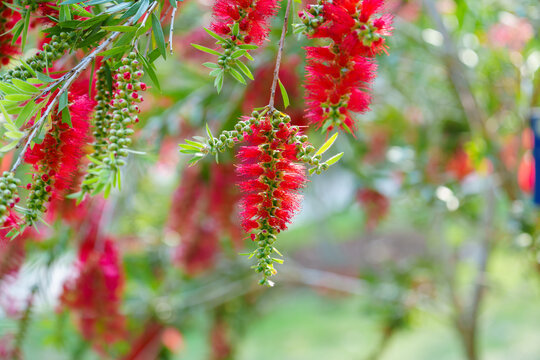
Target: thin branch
[
  {"x": 172, "y": 26},
  {"x": 278, "y": 59}
]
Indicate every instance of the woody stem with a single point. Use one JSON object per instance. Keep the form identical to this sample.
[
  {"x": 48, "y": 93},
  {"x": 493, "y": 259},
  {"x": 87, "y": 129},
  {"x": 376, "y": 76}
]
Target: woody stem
[{"x": 278, "y": 58}]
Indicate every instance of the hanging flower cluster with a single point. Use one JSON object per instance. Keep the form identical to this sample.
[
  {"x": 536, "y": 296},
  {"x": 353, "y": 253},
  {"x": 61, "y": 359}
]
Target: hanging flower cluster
[
  {"x": 8, "y": 19},
  {"x": 271, "y": 177},
  {"x": 58, "y": 157},
  {"x": 252, "y": 17},
  {"x": 94, "y": 295},
  {"x": 339, "y": 74},
  {"x": 202, "y": 213},
  {"x": 238, "y": 26}
]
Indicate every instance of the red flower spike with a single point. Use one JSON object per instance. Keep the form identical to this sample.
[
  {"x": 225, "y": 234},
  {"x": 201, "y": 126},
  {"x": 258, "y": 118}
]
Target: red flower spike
[
  {"x": 252, "y": 17},
  {"x": 94, "y": 295},
  {"x": 339, "y": 76}
]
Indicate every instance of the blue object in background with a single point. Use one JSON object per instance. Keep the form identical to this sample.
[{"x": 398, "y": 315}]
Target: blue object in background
[{"x": 535, "y": 125}]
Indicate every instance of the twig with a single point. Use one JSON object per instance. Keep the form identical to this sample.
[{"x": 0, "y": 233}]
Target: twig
[
  {"x": 172, "y": 26},
  {"x": 278, "y": 59}
]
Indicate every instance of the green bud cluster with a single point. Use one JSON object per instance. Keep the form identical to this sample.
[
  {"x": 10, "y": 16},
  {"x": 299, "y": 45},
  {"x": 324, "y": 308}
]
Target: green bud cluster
[
  {"x": 123, "y": 111},
  {"x": 39, "y": 195},
  {"x": 311, "y": 19},
  {"x": 102, "y": 119},
  {"x": 227, "y": 139},
  {"x": 51, "y": 51},
  {"x": 265, "y": 240},
  {"x": 8, "y": 194}
]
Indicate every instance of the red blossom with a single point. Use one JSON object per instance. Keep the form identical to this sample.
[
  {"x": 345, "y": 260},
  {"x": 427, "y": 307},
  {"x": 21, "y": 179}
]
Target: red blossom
[
  {"x": 202, "y": 213},
  {"x": 270, "y": 178},
  {"x": 252, "y": 17},
  {"x": 339, "y": 75},
  {"x": 94, "y": 295},
  {"x": 8, "y": 19},
  {"x": 60, "y": 153}
]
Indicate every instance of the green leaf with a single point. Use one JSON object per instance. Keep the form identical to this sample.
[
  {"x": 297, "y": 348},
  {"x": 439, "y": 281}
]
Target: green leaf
[
  {"x": 80, "y": 11},
  {"x": 148, "y": 68},
  {"x": 25, "y": 29},
  {"x": 28, "y": 110},
  {"x": 237, "y": 76},
  {"x": 214, "y": 35},
  {"x": 8, "y": 88},
  {"x": 153, "y": 55},
  {"x": 158, "y": 35},
  {"x": 209, "y": 132},
  {"x": 65, "y": 13},
  {"x": 93, "y": 21},
  {"x": 24, "y": 86},
  {"x": 16, "y": 31},
  {"x": 144, "y": 4},
  {"x": 211, "y": 65},
  {"x": 4, "y": 112},
  {"x": 334, "y": 159},
  {"x": 44, "y": 78},
  {"x": 18, "y": 97},
  {"x": 9, "y": 146},
  {"x": 63, "y": 101},
  {"x": 238, "y": 53},
  {"x": 327, "y": 144},
  {"x": 284, "y": 94},
  {"x": 117, "y": 50},
  {"x": 205, "y": 49},
  {"x": 248, "y": 47},
  {"x": 69, "y": 2},
  {"x": 244, "y": 69},
  {"x": 66, "y": 117},
  {"x": 236, "y": 29},
  {"x": 120, "y": 28},
  {"x": 194, "y": 143},
  {"x": 218, "y": 83}
]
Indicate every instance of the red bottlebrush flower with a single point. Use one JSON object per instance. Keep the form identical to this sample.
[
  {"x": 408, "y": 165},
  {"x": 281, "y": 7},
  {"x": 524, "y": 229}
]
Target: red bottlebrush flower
[
  {"x": 94, "y": 295},
  {"x": 375, "y": 204},
  {"x": 339, "y": 75},
  {"x": 269, "y": 179},
  {"x": 12, "y": 252},
  {"x": 252, "y": 17},
  {"x": 202, "y": 213},
  {"x": 8, "y": 19},
  {"x": 57, "y": 159}
]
